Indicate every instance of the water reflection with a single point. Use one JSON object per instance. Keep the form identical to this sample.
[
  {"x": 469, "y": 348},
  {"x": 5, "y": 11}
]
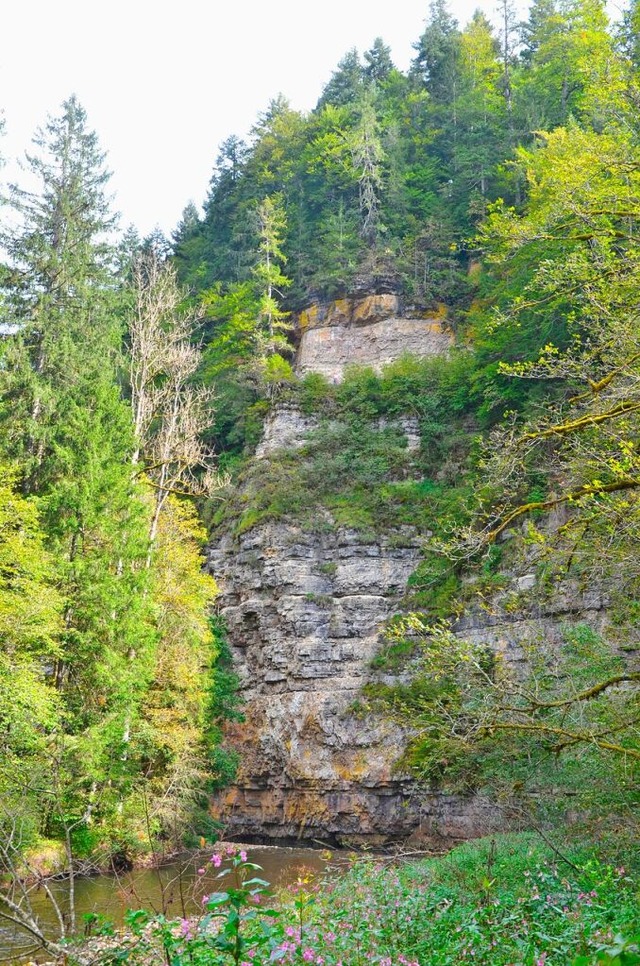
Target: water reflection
[{"x": 175, "y": 888}]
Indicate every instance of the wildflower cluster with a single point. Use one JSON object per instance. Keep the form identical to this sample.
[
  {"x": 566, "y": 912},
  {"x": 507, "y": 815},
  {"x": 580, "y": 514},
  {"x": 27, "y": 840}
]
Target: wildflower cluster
[
  {"x": 510, "y": 906},
  {"x": 234, "y": 925}
]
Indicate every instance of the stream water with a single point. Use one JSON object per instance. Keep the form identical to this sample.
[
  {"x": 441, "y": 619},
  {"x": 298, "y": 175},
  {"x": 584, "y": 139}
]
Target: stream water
[{"x": 175, "y": 888}]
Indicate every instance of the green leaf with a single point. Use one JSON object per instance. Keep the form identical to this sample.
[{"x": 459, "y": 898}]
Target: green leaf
[{"x": 217, "y": 899}]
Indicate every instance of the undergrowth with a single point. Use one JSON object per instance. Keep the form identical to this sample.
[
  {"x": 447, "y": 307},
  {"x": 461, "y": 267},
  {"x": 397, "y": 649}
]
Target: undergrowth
[{"x": 512, "y": 900}]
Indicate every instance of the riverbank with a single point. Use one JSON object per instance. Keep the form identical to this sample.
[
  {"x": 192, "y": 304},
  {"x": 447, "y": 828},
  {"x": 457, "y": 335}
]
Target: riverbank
[
  {"x": 511, "y": 900},
  {"x": 171, "y": 886}
]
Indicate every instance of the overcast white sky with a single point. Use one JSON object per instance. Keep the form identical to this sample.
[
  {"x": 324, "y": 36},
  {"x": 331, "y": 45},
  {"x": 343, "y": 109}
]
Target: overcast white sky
[{"x": 164, "y": 84}]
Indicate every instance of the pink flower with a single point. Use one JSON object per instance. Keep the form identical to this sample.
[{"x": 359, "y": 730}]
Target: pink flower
[
  {"x": 217, "y": 860},
  {"x": 255, "y": 898},
  {"x": 308, "y": 955},
  {"x": 200, "y": 871},
  {"x": 542, "y": 960},
  {"x": 243, "y": 856},
  {"x": 205, "y": 899},
  {"x": 290, "y": 931},
  {"x": 185, "y": 928}
]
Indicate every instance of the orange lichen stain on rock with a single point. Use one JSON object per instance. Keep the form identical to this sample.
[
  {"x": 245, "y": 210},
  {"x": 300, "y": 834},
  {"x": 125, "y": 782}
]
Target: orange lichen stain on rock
[
  {"x": 339, "y": 312},
  {"x": 225, "y": 802},
  {"x": 434, "y": 326},
  {"x": 304, "y": 808},
  {"x": 375, "y": 308},
  {"x": 310, "y": 726},
  {"x": 352, "y": 770},
  {"x": 308, "y": 318}
]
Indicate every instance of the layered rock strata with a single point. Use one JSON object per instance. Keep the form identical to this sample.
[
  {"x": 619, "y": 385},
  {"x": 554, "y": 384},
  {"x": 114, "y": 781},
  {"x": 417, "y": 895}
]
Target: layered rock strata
[
  {"x": 371, "y": 331},
  {"x": 304, "y": 612}
]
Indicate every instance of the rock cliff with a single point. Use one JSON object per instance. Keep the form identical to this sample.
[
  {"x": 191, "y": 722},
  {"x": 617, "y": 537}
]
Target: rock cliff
[
  {"x": 303, "y": 612},
  {"x": 304, "y": 609},
  {"x": 305, "y": 605},
  {"x": 369, "y": 331}
]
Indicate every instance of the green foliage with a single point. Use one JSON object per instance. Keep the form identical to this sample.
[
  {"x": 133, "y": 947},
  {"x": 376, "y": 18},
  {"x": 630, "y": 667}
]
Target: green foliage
[
  {"x": 108, "y": 699},
  {"x": 234, "y": 927},
  {"x": 360, "y": 439},
  {"x": 29, "y": 604},
  {"x": 504, "y": 900},
  {"x": 386, "y": 163},
  {"x": 69, "y": 433},
  {"x": 276, "y": 371},
  {"x": 30, "y": 626},
  {"x": 103, "y": 601},
  {"x": 225, "y": 704},
  {"x": 564, "y": 716}
]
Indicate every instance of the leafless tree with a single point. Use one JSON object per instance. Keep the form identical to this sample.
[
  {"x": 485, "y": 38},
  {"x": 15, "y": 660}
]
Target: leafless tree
[
  {"x": 170, "y": 413},
  {"x": 23, "y": 882}
]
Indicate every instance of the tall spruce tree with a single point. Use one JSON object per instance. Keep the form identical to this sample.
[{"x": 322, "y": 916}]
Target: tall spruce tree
[
  {"x": 378, "y": 63},
  {"x": 437, "y": 54},
  {"x": 57, "y": 288},
  {"x": 344, "y": 84},
  {"x": 69, "y": 433}
]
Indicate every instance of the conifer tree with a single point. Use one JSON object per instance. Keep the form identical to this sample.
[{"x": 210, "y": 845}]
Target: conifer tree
[
  {"x": 378, "y": 63},
  {"x": 535, "y": 31},
  {"x": 213, "y": 248},
  {"x": 345, "y": 82},
  {"x": 270, "y": 278},
  {"x": 70, "y": 435},
  {"x": 437, "y": 54},
  {"x": 57, "y": 291},
  {"x": 368, "y": 156}
]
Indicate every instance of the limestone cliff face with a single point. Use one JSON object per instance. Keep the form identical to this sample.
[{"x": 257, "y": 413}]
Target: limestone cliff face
[
  {"x": 303, "y": 612},
  {"x": 369, "y": 331},
  {"x": 305, "y": 608}
]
